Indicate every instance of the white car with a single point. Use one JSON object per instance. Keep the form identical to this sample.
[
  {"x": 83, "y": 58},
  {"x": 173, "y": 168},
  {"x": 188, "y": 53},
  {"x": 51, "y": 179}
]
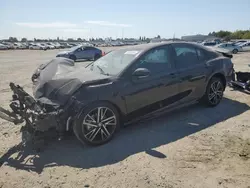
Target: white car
[
  {"x": 3, "y": 47},
  {"x": 19, "y": 46},
  {"x": 50, "y": 45},
  {"x": 37, "y": 47},
  {"x": 87, "y": 44},
  {"x": 57, "y": 45},
  {"x": 46, "y": 47},
  {"x": 245, "y": 46}
]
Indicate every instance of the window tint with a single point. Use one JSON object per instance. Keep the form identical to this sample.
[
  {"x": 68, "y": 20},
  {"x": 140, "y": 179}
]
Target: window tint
[
  {"x": 156, "y": 60},
  {"x": 156, "y": 56},
  {"x": 186, "y": 56},
  {"x": 89, "y": 48},
  {"x": 201, "y": 54}
]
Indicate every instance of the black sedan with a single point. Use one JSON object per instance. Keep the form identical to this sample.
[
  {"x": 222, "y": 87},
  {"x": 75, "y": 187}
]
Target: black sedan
[{"x": 124, "y": 85}]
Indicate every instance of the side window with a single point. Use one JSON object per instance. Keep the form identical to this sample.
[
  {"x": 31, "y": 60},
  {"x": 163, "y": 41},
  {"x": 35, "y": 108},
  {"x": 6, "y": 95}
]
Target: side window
[
  {"x": 156, "y": 60},
  {"x": 87, "y": 48},
  {"x": 79, "y": 49},
  {"x": 186, "y": 56},
  {"x": 201, "y": 54}
]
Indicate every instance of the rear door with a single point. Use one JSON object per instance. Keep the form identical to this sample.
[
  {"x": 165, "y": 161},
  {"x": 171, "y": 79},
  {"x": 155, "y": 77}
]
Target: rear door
[
  {"x": 247, "y": 47},
  {"x": 88, "y": 53},
  {"x": 93, "y": 52},
  {"x": 192, "y": 70}
]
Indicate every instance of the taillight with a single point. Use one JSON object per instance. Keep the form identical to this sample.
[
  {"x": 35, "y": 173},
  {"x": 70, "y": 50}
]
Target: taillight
[{"x": 103, "y": 53}]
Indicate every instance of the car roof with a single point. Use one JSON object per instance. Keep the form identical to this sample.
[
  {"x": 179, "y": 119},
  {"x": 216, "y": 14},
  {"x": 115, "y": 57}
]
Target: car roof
[{"x": 149, "y": 46}]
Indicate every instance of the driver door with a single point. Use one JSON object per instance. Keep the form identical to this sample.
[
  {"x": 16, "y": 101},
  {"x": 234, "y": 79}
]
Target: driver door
[
  {"x": 159, "y": 89},
  {"x": 78, "y": 53}
]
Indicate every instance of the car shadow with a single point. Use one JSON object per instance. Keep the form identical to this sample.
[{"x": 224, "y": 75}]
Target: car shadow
[{"x": 142, "y": 137}]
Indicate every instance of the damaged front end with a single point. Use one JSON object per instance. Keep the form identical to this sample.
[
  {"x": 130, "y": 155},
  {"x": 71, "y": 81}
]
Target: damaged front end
[
  {"x": 54, "y": 107},
  {"x": 42, "y": 121}
]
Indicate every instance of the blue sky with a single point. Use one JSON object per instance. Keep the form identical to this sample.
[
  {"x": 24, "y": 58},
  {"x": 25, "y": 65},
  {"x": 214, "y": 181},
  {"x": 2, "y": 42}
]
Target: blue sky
[{"x": 129, "y": 18}]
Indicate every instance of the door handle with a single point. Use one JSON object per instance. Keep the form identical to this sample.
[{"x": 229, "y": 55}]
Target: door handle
[{"x": 196, "y": 78}]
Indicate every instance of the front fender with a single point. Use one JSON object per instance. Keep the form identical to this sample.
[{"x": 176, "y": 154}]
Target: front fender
[{"x": 103, "y": 92}]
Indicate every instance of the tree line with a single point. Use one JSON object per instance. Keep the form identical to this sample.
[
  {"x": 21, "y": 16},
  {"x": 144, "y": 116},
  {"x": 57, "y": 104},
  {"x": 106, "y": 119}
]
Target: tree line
[{"x": 228, "y": 35}]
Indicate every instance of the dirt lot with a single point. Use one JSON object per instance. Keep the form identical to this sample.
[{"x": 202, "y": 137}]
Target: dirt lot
[{"x": 192, "y": 147}]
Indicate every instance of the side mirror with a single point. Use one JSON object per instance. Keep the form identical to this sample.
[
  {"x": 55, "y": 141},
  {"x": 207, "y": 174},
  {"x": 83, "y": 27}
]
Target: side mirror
[{"x": 141, "y": 73}]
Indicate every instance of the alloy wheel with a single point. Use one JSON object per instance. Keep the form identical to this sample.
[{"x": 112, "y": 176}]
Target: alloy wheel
[
  {"x": 99, "y": 125},
  {"x": 215, "y": 92}
]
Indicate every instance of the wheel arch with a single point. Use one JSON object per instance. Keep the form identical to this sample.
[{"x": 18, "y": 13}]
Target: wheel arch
[
  {"x": 222, "y": 77},
  {"x": 218, "y": 75},
  {"x": 121, "y": 114}
]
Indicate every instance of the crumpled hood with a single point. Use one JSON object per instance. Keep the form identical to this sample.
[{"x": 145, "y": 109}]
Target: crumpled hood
[{"x": 60, "y": 78}]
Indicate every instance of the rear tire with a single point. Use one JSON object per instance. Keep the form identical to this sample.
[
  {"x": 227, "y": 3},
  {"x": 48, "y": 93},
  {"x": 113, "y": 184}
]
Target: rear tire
[
  {"x": 235, "y": 51},
  {"x": 214, "y": 92},
  {"x": 94, "y": 129},
  {"x": 97, "y": 56},
  {"x": 73, "y": 57}
]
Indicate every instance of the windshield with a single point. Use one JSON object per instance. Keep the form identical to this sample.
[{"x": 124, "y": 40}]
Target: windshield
[
  {"x": 73, "y": 48},
  {"x": 114, "y": 62}
]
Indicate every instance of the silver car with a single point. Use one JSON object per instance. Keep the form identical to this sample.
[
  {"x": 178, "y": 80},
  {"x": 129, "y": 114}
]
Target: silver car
[
  {"x": 245, "y": 46},
  {"x": 3, "y": 47},
  {"x": 230, "y": 46},
  {"x": 82, "y": 52}
]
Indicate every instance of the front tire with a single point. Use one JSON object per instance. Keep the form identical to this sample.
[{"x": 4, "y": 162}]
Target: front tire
[
  {"x": 214, "y": 92},
  {"x": 73, "y": 57},
  {"x": 97, "y": 124}
]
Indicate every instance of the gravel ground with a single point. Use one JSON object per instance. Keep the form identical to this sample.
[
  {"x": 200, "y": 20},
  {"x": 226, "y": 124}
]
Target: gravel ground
[{"x": 192, "y": 147}]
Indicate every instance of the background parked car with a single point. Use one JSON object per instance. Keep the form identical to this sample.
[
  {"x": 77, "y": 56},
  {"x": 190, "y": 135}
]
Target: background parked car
[
  {"x": 37, "y": 46},
  {"x": 50, "y": 45},
  {"x": 3, "y": 47},
  {"x": 46, "y": 47},
  {"x": 26, "y": 45},
  {"x": 19, "y": 46},
  {"x": 245, "y": 46},
  {"x": 9, "y": 45},
  {"x": 57, "y": 45},
  {"x": 209, "y": 43},
  {"x": 81, "y": 52},
  {"x": 65, "y": 45},
  {"x": 230, "y": 46}
]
